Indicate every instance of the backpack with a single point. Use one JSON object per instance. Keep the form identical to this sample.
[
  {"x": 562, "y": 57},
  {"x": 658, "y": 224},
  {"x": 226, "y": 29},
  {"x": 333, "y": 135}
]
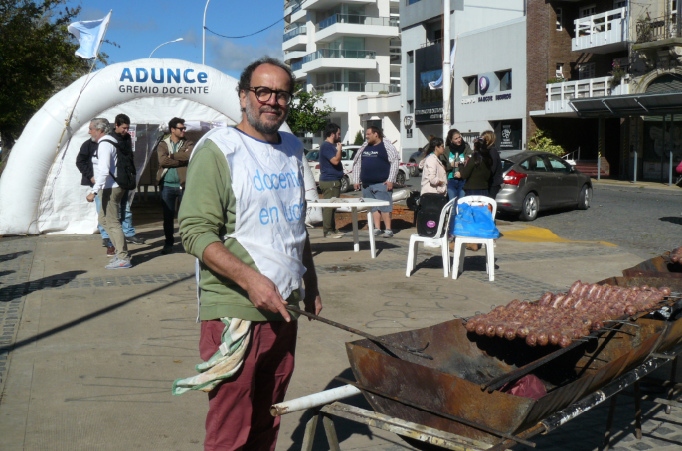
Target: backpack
[
  {"x": 430, "y": 207},
  {"x": 125, "y": 166}
]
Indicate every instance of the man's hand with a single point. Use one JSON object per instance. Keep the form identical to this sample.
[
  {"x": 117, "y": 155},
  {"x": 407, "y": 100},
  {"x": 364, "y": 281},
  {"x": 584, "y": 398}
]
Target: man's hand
[
  {"x": 265, "y": 295},
  {"x": 312, "y": 302},
  {"x": 339, "y": 147},
  {"x": 356, "y": 187},
  {"x": 389, "y": 186},
  {"x": 92, "y": 180},
  {"x": 90, "y": 197}
]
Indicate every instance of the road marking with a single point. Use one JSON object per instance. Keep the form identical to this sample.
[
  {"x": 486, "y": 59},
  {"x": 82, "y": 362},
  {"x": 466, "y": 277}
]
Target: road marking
[{"x": 532, "y": 234}]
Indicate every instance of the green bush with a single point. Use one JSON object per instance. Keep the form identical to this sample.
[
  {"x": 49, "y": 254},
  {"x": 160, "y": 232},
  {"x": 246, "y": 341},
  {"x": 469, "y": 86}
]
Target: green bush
[
  {"x": 542, "y": 141},
  {"x": 359, "y": 139}
]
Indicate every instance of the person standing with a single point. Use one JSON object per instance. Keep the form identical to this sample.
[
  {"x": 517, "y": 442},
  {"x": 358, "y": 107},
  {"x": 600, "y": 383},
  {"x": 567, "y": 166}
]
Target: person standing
[
  {"x": 243, "y": 217},
  {"x": 331, "y": 173},
  {"x": 121, "y": 127},
  {"x": 376, "y": 164},
  {"x": 104, "y": 164},
  {"x": 84, "y": 164},
  {"x": 477, "y": 170},
  {"x": 434, "y": 176},
  {"x": 174, "y": 153},
  {"x": 458, "y": 152},
  {"x": 496, "y": 176}
]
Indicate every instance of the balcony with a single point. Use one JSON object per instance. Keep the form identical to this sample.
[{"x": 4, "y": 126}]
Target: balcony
[
  {"x": 293, "y": 56},
  {"x": 292, "y": 6},
  {"x": 325, "y": 59},
  {"x": 379, "y": 88},
  {"x": 295, "y": 39},
  {"x": 559, "y": 94},
  {"x": 322, "y": 5},
  {"x": 601, "y": 33},
  {"x": 355, "y": 25},
  {"x": 297, "y": 66}
]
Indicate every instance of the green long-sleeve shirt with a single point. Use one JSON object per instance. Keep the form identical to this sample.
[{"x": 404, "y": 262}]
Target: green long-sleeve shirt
[
  {"x": 208, "y": 213},
  {"x": 476, "y": 177}
]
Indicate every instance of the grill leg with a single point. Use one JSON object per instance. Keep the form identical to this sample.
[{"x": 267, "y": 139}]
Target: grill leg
[
  {"x": 330, "y": 431},
  {"x": 309, "y": 435},
  {"x": 671, "y": 390},
  {"x": 609, "y": 422},
  {"x": 638, "y": 411}
]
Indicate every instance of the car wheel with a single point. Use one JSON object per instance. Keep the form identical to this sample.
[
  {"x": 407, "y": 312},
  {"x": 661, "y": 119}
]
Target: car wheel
[
  {"x": 585, "y": 198},
  {"x": 414, "y": 170},
  {"x": 345, "y": 184},
  {"x": 400, "y": 178},
  {"x": 530, "y": 207}
]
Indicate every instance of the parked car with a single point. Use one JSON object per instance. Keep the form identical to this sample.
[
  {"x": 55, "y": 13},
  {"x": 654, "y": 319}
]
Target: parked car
[
  {"x": 535, "y": 181},
  {"x": 414, "y": 161},
  {"x": 347, "y": 155}
]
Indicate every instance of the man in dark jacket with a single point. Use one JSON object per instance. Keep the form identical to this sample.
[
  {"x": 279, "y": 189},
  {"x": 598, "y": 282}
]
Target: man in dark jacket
[{"x": 121, "y": 135}]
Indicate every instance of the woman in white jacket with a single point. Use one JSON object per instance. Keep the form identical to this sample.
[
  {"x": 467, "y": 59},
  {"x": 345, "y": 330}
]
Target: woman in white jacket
[{"x": 434, "y": 176}]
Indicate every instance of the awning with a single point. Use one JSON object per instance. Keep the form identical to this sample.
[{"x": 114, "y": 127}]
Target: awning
[{"x": 646, "y": 104}]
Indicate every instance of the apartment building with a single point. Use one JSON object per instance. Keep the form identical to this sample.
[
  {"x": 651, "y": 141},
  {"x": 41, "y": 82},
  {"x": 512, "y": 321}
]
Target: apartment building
[
  {"x": 491, "y": 48},
  {"x": 605, "y": 77},
  {"x": 349, "y": 50}
]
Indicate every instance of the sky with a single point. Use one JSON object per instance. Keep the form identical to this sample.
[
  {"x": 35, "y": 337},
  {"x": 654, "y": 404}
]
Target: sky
[{"x": 138, "y": 26}]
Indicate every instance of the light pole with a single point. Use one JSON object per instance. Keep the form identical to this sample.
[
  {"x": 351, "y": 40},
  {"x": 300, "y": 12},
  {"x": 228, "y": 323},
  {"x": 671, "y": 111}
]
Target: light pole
[
  {"x": 169, "y": 42},
  {"x": 203, "y": 52},
  {"x": 446, "y": 68}
]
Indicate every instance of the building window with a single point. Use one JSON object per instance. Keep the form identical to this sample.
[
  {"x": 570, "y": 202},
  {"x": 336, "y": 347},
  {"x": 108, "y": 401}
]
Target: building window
[
  {"x": 622, "y": 4},
  {"x": 505, "y": 78},
  {"x": 375, "y": 123},
  {"x": 412, "y": 2},
  {"x": 470, "y": 85},
  {"x": 559, "y": 19},
  {"x": 586, "y": 11},
  {"x": 410, "y": 57},
  {"x": 410, "y": 106},
  {"x": 559, "y": 70},
  {"x": 586, "y": 70}
]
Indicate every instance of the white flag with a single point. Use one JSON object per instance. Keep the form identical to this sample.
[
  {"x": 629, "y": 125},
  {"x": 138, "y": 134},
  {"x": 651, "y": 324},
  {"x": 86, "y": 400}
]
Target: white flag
[
  {"x": 438, "y": 84},
  {"x": 90, "y": 34}
]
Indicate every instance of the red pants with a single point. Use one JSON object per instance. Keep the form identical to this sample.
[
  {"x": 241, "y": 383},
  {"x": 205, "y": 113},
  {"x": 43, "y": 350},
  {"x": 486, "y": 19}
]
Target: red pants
[{"x": 239, "y": 409}]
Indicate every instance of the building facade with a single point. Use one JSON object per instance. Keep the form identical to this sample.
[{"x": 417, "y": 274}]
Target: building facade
[
  {"x": 491, "y": 38},
  {"x": 350, "y": 52}
]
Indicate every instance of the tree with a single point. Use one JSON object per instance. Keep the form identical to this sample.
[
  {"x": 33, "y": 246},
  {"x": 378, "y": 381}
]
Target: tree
[
  {"x": 542, "y": 141},
  {"x": 37, "y": 59},
  {"x": 359, "y": 138},
  {"x": 309, "y": 113}
]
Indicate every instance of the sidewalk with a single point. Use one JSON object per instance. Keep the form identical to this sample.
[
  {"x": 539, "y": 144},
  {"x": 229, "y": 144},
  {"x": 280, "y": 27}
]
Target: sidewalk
[
  {"x": 638, "y": 184},
  {"x": 96, "y": 351}
]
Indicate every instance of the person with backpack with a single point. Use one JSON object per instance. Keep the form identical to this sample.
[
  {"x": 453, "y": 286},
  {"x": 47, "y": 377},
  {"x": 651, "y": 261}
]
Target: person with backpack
[
  {"x": 173, "y": 152},
  {"x": 122, "y": 125},
  {"x": 108, "y": 164}
]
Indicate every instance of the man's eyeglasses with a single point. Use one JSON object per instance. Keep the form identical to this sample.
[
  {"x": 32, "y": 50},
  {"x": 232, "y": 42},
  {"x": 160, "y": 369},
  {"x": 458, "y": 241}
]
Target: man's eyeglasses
[
  {"x": 182, "y": 129},
  {"x": 264, "y": 94}
]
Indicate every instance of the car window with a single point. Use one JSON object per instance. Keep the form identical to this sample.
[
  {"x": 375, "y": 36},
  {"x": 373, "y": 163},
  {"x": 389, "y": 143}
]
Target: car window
[
  {"x": 559, "y": 165},
  {"x": 313, "y": 155},
  {"x": 353, "y": 153},
  {"x": 525, "y": 164},
  {"x": 506, "y": 164},
  {"x": 537, "y": 164}
]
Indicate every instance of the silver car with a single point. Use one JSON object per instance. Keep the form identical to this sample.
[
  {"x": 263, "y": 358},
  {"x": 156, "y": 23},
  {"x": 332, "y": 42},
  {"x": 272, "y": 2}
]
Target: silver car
[{"x": 535, "y": 181}]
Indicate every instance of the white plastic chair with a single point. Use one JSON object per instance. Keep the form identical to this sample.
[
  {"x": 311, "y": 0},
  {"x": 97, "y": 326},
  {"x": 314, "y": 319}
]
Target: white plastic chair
[
  {"x": 440, "y": 240},
  {"x": 462, "y": 241}
]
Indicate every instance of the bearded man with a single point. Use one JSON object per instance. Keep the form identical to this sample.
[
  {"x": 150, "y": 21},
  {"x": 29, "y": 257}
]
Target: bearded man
[{"x": 243, "y": 217}]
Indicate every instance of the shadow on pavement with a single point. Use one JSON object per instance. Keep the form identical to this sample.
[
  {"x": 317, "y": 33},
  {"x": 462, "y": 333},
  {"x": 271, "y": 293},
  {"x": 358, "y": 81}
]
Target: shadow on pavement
[
  {"x": 84, "y": 318},
  {"x": 12, "y": 256},
  {"x": 4, "y": 273},
  {"x": 11, "y": 292},
  {"x": 672, "y": 220},
  {"x": 344, "y": 428}
]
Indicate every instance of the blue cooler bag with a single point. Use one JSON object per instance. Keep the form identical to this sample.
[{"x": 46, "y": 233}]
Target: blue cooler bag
[{"x": 476, "y": 222}]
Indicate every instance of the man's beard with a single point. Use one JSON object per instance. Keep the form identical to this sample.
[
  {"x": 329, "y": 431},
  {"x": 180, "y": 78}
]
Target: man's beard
[
  {"x": 93, "y": 139},
  {"x": 253, "y": 118}
]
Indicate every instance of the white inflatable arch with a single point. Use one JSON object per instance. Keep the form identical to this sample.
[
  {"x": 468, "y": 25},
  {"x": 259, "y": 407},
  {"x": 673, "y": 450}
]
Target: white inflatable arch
[{"x": 40, "y": 189}]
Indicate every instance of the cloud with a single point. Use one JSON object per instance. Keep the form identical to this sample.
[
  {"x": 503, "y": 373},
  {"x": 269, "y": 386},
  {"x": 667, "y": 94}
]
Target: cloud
[{"x": 231, "y": 55}]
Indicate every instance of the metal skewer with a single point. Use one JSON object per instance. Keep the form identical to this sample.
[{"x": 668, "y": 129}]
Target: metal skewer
[{"x": 380, "y": 340}]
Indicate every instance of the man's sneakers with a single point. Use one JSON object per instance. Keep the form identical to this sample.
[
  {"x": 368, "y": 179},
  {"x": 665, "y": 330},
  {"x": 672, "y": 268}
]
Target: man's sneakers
[
  {"x": 167, "y": 249},
  {"x": 135, "y": 240},
  {"x": 388, "y": 233},
  {"x": 335, "y": 234},
  {"x": 106, "y": 242},
  {"x": 111, "y": 250},
  {"x": 117, "y": 263}
]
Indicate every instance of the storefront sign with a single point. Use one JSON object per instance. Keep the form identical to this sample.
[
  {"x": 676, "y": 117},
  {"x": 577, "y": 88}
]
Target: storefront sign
[
  {"x": 510, "y": 133},
  {"x": 429, "y": 102}
]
